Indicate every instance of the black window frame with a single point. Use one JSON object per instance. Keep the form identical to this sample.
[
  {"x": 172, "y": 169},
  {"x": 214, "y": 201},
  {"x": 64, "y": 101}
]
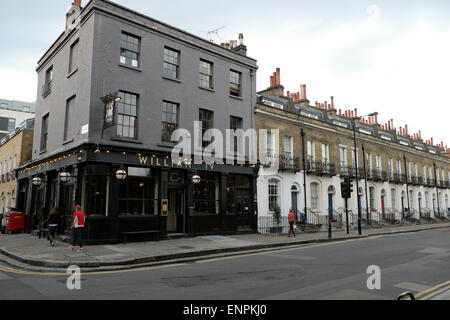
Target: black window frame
[{"x": 129, "y": 198}]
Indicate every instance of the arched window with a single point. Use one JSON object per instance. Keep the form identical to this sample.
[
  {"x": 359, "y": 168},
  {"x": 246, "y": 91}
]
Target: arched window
[
  {"x": 331, "y": 190},
  {"x": 427, "y": 200},
  {"x": 315, "y": 196}
]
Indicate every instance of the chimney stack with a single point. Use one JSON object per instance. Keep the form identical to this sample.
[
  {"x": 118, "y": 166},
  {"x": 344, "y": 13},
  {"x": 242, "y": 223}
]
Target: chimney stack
[
  {"x": 275, "y": 81},
  {"x": 305, "y": 97},
  {"x": 278, "y": 76},
  {"x": 332, "y": 102},
  {"x": 271, "y": 81},
  {"x": 77, "y": 3}
]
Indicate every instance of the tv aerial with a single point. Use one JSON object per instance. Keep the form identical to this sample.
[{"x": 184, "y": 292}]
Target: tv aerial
[{"x": 215, "y": 33}]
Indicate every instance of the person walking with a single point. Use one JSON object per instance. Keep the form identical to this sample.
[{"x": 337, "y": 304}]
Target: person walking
[
  {"x": 78, "y": 226},
  {"x": 291, "y": 218},
  {"x": 53, "y": 221}
]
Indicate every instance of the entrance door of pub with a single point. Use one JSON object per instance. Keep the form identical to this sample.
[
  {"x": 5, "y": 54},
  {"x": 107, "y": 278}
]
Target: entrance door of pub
[
  {"x": 67, "y": 206},
  {"x": 243, "y": 209},
  {"x": 176, "y": 219}
]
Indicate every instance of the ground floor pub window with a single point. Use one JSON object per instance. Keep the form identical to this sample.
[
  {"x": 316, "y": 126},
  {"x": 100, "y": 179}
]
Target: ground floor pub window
[
  {"x": 206, "y": 194},
  {"x": 238, "y": 194},
  {"x": 95, "y": 189},
  {"x": 138, "y": 193}
]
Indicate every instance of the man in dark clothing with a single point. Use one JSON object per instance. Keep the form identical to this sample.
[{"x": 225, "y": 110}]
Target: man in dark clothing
[{"x": 53, "y": 220}]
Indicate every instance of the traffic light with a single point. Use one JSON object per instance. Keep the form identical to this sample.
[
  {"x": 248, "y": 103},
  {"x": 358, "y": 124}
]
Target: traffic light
[
  {"x": 346, "y": 188},
  {"x": 350, "y": 186}
]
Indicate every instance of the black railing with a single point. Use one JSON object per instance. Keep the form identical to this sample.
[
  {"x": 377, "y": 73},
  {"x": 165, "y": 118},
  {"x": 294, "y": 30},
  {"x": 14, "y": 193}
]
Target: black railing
[
  {"x": 350, "y": 171},
  {"x": 270, "y": 225},
  {"x": 377, "y": 175},
  {"x": 430, "y": 182},
  {"x": 288, "y": 162},
  {"x": 320, "y": 168}
]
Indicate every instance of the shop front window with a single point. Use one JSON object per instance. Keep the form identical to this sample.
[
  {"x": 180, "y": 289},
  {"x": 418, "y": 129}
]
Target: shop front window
[
  {"x": 95, "y": 190},
  {"x": 138, "y": 196},
  {"x": 238, "y": 194},
  {"x": 206, "y": 194}
]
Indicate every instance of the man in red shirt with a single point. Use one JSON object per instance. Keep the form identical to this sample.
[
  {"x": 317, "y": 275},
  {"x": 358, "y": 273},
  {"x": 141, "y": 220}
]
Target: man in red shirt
[
  {"x": 291, "y": 218},
  {"x": 78, "y": 225}
]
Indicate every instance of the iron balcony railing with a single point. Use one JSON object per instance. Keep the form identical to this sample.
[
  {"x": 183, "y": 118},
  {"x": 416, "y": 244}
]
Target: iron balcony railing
[
  {"x": 350, "y": 171},
  {"x": 377, "y": 175},
  {"x": 269, "y": 160},
  {"x": 320, "y": 168},
  {"x": 415, "y": 180},
  {"x": 430, "y": 182},
  {"x": 289, "y": 163}
]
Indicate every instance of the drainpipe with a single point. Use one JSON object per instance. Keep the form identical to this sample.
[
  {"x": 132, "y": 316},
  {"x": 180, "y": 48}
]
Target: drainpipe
[
  {"x": 304, "y": 171},
  {"x": 365, "y": 180},
  {"x": 437, "y": 190},
  {"x": 407, "y": 190}
]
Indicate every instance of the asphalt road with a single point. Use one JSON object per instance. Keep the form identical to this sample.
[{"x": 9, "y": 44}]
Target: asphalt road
[{"x": 415, "y": 262}]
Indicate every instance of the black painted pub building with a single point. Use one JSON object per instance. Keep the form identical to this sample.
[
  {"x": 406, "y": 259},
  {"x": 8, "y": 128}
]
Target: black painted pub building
[{"x": 156, "y": 194}]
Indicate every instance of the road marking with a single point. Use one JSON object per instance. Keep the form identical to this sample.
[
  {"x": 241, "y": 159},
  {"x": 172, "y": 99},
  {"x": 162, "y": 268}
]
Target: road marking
[
  {"x": 435, "y": 293},
  {"x": 412, "y": 286},
  {"x": 427, "y": 292},
  {"x": 60, "y": 274}
]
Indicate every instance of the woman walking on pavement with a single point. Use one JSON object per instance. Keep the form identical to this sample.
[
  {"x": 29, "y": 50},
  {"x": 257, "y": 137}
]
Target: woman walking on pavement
[
  {"x": 53, "y": 220},
  {"x": 78, "y": 225},
  {"x": 291, "y": 218}
]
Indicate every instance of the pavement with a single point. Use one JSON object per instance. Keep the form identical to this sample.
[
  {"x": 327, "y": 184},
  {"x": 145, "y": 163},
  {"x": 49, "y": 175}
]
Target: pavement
[{"x": 28, "y": 252}]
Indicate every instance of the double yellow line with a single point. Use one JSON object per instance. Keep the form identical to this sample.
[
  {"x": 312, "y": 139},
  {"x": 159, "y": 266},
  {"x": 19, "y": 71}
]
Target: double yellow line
[
  {"x": 63, "y": 274},
  {"x": 434, "y": 291}
]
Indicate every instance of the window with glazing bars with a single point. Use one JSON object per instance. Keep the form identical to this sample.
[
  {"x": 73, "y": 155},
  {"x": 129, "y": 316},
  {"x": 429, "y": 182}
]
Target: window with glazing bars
[
  {"x": 129, "y": 50},
  {"x": 171, "y": 63},
  {"x": 206, "y": 75},
  {"x": 206, "y": 118},
  {"x": 169, "y": 120},
  {"x": 235, "y": 83},
  {"x": 236, "y": 124},
  {"x": 44, "y": 133},
  {"x": 127, "y": 115}
]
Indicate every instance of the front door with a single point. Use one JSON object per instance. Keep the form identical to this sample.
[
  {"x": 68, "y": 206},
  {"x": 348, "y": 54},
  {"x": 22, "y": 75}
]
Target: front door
[
  {"x": 67, "y": 206},
  {"x": 294, "y": 202},
  {"x": 382, "y": 207},
  {"x": 175, "y": 219},
  {"x": 243, "y": 209},
  {"x": 172, "y": 217},
  {"x": 330, "y": 207}
]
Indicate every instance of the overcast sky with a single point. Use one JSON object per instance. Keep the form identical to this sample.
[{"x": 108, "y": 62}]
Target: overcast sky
[{"x": 386, "y": 56}]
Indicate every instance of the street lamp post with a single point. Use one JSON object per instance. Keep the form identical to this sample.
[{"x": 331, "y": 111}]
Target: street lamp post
[{"x": 356, "y": 165}]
